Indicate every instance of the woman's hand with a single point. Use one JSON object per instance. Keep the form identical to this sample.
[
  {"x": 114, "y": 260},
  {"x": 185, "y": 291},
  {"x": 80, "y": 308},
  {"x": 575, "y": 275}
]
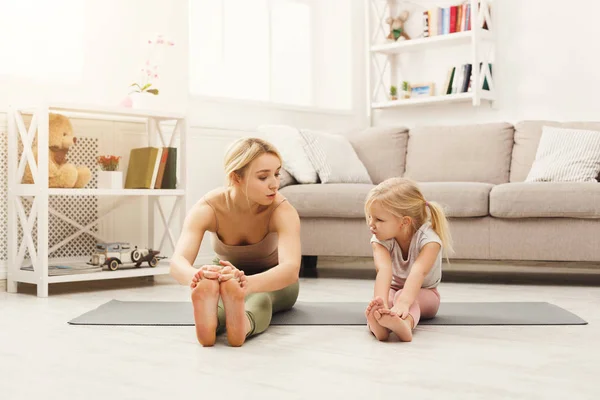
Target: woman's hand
[
  {"x": 229, "y": 271},
  {"x": 206, "y": 272}
]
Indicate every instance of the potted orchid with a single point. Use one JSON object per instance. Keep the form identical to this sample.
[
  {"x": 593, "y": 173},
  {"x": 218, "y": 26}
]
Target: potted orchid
[
  {"x": 144, "y": 90},
  {"x": 109, "y": 177}
]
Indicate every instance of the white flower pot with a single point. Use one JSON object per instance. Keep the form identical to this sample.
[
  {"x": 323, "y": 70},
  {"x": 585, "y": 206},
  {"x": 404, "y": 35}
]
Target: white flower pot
[
  {"x": 144, "y": 101},
  {"x": 110, "y": 180}
]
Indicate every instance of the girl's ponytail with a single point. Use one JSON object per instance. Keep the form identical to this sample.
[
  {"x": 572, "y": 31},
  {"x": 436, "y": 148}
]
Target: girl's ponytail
[{"x": 439, "y": 223}]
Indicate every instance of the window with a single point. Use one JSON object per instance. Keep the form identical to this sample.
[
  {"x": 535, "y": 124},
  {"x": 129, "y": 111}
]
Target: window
[
  {"x": 295, "y": 52},
  {"x": 42, "y": 39}
]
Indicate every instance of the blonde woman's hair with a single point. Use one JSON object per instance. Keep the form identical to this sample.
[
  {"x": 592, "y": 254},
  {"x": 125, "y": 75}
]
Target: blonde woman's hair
[
  {"x": 242, "y": 152},
  {"x": 401, "y": 197}
]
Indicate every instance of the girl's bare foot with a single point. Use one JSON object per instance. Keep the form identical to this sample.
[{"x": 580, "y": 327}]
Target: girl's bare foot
[
  {"x": 401, "y": 327},
  {"x": 205, "y": 297},
  {"x": 236, "y": 321},
  {"x": 379, "y": 331}
]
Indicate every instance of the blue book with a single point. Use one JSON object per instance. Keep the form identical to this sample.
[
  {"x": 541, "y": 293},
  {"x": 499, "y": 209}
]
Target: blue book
[{"x": 444, "y": 21}]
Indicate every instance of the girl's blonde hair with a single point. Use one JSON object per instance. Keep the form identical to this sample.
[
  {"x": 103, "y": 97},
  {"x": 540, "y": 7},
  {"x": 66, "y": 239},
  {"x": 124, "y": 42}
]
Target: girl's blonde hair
[
  {"x": 401, "y": 197},
  {"x": 242, "y": 152}
]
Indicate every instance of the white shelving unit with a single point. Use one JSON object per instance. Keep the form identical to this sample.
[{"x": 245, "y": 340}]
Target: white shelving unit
[
  {"x": 40, "y": 193},
  {"x": 382, "y": 75}
]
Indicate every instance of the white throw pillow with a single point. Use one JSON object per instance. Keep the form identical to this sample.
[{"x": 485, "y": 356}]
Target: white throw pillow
[
  {"x": 566, "y": 155},
  {"x": 286, "y": 179},
  {"x": 290, "y": 145},
  {"x": 334, "y": 158}
]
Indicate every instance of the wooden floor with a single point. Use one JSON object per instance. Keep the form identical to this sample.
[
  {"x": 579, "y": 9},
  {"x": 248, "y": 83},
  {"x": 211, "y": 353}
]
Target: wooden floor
[{"x": 42, "y": 357}]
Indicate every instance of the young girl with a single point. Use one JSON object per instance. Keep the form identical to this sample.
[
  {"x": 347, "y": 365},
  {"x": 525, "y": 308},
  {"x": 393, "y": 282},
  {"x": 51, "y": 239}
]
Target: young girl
[{"x": 409, "y": 234}]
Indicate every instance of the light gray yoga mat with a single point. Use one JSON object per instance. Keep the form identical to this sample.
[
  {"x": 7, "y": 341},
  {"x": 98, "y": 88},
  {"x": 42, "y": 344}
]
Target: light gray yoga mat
[{"x": 341, "y": 313}]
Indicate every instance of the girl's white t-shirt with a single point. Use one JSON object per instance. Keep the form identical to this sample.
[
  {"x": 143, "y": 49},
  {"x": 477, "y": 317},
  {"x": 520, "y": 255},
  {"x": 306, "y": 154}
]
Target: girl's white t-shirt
[{"x": 401, "y": 267}]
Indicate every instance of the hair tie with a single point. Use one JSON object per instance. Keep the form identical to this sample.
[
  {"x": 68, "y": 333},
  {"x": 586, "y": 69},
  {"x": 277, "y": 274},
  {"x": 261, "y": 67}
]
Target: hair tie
[{"x": 426, "y": 203}]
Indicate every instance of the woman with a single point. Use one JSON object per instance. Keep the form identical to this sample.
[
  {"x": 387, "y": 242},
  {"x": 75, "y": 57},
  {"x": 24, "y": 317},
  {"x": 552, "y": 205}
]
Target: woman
[{"x": 256, "y": 235}]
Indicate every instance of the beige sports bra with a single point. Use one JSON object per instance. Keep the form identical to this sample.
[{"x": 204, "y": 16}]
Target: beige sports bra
[{"x": 251, "y": 258}]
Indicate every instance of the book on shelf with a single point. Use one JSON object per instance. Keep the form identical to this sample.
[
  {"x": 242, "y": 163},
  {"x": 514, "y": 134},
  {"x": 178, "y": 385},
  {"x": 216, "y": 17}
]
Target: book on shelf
[
  {"x": 152, "y": 168},
  {"x": 459, "y": 79},
  {"x": 169, "y": 180},
  {"x": 446, "y": 20}
]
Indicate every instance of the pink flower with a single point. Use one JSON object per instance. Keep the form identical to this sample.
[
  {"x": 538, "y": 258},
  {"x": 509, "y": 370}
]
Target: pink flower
[
  {"x": 171, "y": 43},
  {"x": 156, "y": 75},
  {"x": 149, "y": 41},
  {"x": 147, "y": 62}
]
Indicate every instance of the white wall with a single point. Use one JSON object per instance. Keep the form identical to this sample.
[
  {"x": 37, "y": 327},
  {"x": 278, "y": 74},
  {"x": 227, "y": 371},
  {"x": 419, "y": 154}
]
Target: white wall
[
  {"x": 115, "y": 35},
  {"x": 115, "y": 32},
  {"x": 546, "y": 67}
]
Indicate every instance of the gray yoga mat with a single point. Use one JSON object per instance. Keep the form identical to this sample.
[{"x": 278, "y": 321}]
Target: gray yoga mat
[{"x": 335, "y": 313}]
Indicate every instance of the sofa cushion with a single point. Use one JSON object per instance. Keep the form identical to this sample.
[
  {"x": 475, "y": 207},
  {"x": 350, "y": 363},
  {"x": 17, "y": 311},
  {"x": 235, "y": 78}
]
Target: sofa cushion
[
  {"x": 543, "y": 199},
  {"x": 347, "y": 200},
  {"x": 459, "y": 199},
  {"x": 527, "y": 139},
  {"x": 341, "y": 200},
  {"x": 468, "y": 153},
  {"x": 382, "y": 150}
]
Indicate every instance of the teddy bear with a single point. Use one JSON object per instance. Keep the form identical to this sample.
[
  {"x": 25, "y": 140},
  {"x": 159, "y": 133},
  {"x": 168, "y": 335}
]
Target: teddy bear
[
  {"x": 61, "y": 174},
  {"x": 397, "y": 27}
]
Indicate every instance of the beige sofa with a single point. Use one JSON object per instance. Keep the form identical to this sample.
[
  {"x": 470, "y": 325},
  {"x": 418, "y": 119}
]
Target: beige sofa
[{"x": 477, "y": 173}]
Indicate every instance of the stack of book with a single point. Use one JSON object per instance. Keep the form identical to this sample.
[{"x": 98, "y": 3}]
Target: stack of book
[
  {"x": 445, "y": 20},
  {"x": 152, "y": 168},
  {"x": 459, "y": 79}
]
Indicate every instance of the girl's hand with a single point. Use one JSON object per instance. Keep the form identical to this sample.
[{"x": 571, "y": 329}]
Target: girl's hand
[
  {"x": 205, "y": 272},
  {"x": 400, "y": 309}
]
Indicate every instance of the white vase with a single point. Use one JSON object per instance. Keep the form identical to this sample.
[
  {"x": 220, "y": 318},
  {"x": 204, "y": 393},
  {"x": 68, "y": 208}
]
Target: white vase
[
  {"x": 144, "y": 101},
  {"x": 110, "y": 180}
]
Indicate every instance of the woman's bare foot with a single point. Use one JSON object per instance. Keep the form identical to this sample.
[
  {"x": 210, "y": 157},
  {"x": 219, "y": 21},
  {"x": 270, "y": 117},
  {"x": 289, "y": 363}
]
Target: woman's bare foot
[
  {"x": 236, "y": 321},
  {"x": 379, "y": 331},
  {"x": 205, "y": 298},
  {"x": 401, "y": 327}
]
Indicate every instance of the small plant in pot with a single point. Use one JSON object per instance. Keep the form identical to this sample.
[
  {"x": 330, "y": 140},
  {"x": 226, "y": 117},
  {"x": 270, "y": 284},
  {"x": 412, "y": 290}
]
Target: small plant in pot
[
  {"x": 109, "y": 177},
  {"x": 394, "y": 93},
  {"x": 405, "y": 90}
]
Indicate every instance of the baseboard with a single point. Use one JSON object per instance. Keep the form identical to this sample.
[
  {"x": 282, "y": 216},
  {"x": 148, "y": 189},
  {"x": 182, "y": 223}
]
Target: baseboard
[
  {"x": 477, "y": 266},
  {"x": 532, "y": 267}
]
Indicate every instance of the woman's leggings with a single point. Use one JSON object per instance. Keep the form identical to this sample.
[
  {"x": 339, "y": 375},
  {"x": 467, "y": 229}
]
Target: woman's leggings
[
  {"x": 426, "y": 304},
  {"x": 260, "y": 307}
]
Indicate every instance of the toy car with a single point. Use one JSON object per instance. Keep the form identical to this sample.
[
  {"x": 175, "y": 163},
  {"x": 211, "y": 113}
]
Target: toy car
[{"x": 116, "y": 254}]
